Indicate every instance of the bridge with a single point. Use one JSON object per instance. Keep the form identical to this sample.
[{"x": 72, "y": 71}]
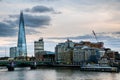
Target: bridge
[{"x": 11, "y": 65}]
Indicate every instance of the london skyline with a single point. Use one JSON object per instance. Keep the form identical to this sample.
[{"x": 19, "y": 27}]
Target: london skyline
[{"x": 56, "y": 22}]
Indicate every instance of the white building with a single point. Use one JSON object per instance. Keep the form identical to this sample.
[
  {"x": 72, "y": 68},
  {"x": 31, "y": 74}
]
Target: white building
[
  {"x": 39, "y": 48},
  {"x": 13, "y": 52}
]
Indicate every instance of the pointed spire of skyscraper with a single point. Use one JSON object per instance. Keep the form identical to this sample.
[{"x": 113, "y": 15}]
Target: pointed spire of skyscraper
[
  {"x": 21, "y": 18},
  {"x": 21, "y": 46}
]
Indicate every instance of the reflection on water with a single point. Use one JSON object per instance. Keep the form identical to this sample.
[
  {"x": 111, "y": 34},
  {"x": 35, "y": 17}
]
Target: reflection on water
[{"x": 55, "y": 74}]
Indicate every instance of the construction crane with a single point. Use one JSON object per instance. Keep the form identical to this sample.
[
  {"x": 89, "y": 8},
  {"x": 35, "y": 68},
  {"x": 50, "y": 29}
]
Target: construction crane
[{"x": 95, "y": 35}]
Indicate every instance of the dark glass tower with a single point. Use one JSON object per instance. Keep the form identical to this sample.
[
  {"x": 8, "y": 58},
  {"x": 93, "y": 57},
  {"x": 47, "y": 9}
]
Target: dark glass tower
[{"x": 21, "y": 45}]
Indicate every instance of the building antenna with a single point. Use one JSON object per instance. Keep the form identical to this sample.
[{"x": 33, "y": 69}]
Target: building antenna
[
  {"x": 95, "y": 35},
  {"x": 5, "y": 51}
]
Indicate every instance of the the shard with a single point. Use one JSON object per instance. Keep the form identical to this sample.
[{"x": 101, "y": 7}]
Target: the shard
[{"x": 21, "y": 45}]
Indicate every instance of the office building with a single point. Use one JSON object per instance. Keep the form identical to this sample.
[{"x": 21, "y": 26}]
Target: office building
[
  {"x": 13, "y": 52},
  {"x": 21, "y": 45},
  {"x": 39, "y": 49}
]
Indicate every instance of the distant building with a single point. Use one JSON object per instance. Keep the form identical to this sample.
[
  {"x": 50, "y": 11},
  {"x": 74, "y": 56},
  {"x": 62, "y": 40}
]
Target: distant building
[
  {"x": 39, "y": 49},
  {"x": 63, "y": 52},
  {"x": 68, "y": 56},
  {"x": 90, "y": 44},
  {"x": 13, "y": 52},
  {"x": 86, "y": 54},
  {"x": 104, "y": 61},
  {"x": 78, "y": 55},
  {"x": 49, "y": 57}
]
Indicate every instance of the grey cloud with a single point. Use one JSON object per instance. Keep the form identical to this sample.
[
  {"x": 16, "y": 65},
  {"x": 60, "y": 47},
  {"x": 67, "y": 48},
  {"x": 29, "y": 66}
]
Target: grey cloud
[
  {"x": 32, "y": 21},
  {"x": 40, "y": 9},
  {"x": 6, "y": 30},
  {"x": 44, "y": 0},
  {"x": 91, "y": 2},
  {"x": 10, "y": 27},
  {"x": 76, "y": 37},
  {"x": 13, "y": 16},
  {"x": 101, "y": 36},
  {"x": 94, "y": 5},
  {"x": 116, "y": 33},
  {"x": 36, "y": 21},
  {"x": 31, "y": 31}
]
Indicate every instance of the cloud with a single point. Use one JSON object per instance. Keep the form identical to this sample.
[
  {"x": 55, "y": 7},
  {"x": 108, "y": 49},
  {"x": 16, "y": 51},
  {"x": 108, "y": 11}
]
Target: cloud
[
  {"x": 107, "y": 37},
  {"x": 33, "y": 21},
  {"x": 115, "y": 18},
  {"x": 36, "y": 21},
  {"x": 7, "y": 30},
  {"x": 10, "y": 27},
  {"x": 31, "y": 31},
  {"x": 116, "y": 33},
  {"x": 43, "y": 0},
  {"x": 40, "y": 9},
  {"x": 76, "y": 37}
]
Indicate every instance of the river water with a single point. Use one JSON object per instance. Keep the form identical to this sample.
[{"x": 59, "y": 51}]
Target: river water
[{"x": 55, "y": 74}]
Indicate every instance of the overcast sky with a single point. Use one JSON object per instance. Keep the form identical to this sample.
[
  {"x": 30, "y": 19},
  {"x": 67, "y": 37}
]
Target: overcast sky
[{"x": 56, "y": 20}]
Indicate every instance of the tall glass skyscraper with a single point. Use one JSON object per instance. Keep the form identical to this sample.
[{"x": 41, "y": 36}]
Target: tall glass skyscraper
[{"x": 21, "y": 45}]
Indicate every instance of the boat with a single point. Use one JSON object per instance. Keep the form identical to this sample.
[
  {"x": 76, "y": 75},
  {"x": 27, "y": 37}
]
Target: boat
[{"x": 99, "y": 68}]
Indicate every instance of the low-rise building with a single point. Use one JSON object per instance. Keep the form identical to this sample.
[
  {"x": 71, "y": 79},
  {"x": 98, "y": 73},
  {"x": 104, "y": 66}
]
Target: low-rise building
[
  {"x": 13, "y": 52},
  {"x": 49, "y": 57}
]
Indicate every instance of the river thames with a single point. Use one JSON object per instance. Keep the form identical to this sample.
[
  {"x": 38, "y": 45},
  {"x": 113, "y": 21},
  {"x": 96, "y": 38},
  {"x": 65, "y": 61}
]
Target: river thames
[{"x": 55, "y": 74}]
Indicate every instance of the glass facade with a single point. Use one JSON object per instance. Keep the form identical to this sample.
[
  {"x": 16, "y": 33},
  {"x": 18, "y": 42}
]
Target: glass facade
[
  {"x": 13, "y": 51},
  {"x": 21, "y": 46}
]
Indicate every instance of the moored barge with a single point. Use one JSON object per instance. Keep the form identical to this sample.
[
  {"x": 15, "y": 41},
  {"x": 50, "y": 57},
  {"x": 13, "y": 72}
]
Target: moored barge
[{"x": 99, "y": 68}]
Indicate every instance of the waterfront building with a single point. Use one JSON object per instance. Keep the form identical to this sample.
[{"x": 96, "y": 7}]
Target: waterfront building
[
  {"x": 49, "y": 57},
  {"x": 13, "y": 52},
  {"x": 104, "y": 61},
  {"x": 78, "y": 55},
  {"x": 68, "y": 56},
  {"x": 82, "y": 54},
  {"x": 111, "y": 54},
  {"x": 63, "y": 52},
  {"x": 117, "y": 56},
  {"x": 39, "y": 49},
  {"x": 101, "y": 52},
  {"x": 21, "y": 45},
  {"x": 86, "y": 54},
  {"x": 59, "y": 51}
]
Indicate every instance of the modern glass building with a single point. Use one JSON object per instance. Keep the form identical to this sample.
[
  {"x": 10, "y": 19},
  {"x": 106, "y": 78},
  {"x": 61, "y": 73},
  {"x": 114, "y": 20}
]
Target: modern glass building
[
  {"x": 13, "y": 51},
  {"x": 21, "y": 45}
]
